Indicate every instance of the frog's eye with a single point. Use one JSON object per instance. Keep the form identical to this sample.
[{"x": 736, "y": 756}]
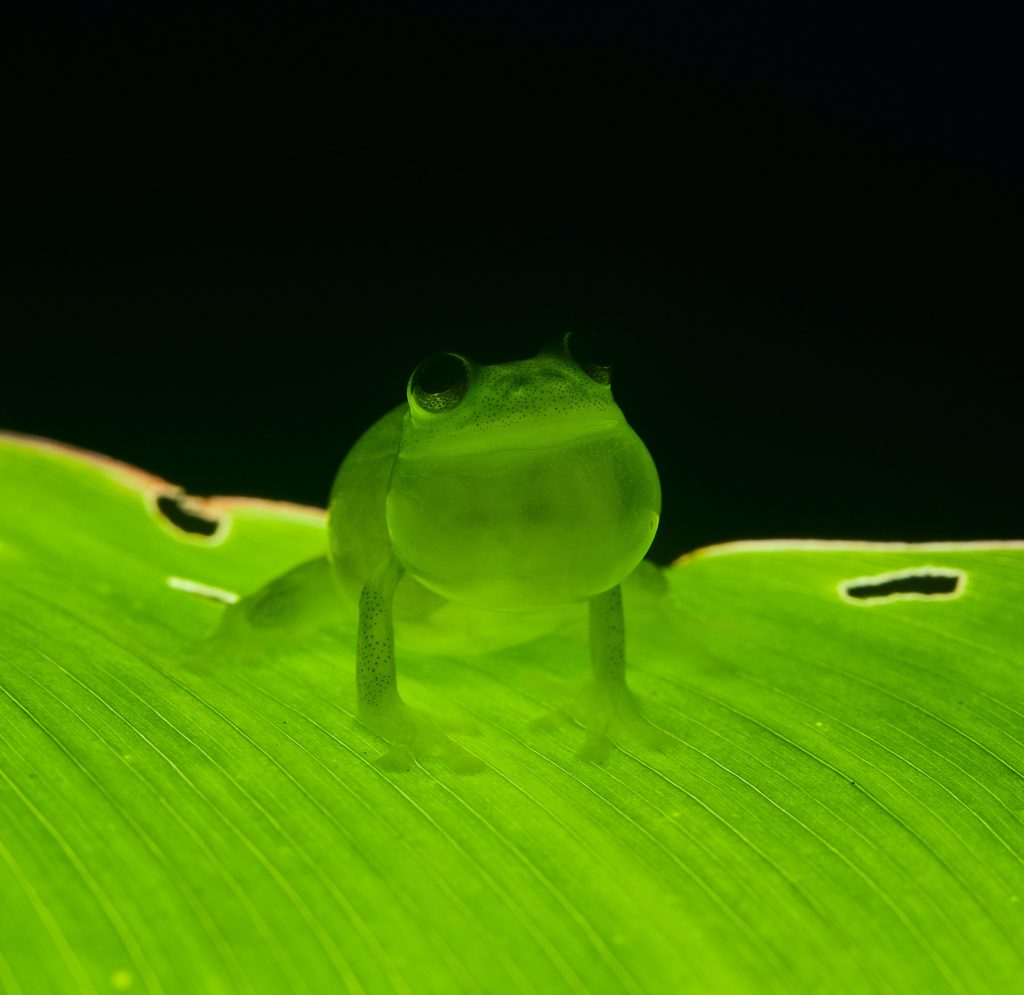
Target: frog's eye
[
  {"x": 586, "y": 351},
  {"x": 440, "y": 382}
]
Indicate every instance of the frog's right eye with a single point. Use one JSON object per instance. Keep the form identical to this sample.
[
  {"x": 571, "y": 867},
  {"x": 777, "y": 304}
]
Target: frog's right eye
[{"x": 440, "y": 382}]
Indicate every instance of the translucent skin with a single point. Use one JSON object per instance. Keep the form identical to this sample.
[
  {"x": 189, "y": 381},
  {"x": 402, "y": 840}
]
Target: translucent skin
[
  {"x": 538, "y": 494},
  {"x": 529, "y": 491}
]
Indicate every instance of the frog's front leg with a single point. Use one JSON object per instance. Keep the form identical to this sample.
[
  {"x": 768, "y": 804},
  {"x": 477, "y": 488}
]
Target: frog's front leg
[
  {"x": 411, "y": 732},
  {"x": 606, "y": 707}
]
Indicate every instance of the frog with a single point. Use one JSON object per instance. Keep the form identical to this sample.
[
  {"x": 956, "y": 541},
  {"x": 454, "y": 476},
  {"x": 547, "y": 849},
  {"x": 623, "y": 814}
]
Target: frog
[{"x": 513, "y": 487}]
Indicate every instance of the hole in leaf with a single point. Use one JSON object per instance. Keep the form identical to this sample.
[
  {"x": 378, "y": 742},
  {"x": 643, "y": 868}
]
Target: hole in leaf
[
  {"x": 174, "y": 509},
  {"x": 916, "y": 584}
]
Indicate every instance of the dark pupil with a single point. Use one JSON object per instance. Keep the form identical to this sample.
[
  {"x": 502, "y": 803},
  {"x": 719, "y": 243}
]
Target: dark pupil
[{"x": 442, "y": 374}]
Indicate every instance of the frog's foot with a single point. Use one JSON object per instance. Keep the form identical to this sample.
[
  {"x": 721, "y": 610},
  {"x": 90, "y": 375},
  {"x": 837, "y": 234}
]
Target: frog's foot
[
  {"x": 415, "y": 734},
  {"x": 611, "y": 715}
]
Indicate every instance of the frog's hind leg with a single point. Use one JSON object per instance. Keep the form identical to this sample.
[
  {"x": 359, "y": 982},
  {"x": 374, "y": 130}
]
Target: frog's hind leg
[
  {"x": 412, "y": 733},
  {"x": 269, "y": 623}
]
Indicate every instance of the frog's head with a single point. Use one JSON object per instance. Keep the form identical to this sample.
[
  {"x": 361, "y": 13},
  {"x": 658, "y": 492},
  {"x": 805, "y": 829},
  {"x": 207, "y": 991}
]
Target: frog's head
[{"x": 519, "y": 485}]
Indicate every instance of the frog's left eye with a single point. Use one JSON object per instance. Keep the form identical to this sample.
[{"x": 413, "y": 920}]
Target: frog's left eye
[{"x": 440, "y": 382}]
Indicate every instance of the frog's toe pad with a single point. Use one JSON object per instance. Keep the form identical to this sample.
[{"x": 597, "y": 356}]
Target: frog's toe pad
[
  {"x": 611, "y": 716},
  {"x": 415, "y": 735}
]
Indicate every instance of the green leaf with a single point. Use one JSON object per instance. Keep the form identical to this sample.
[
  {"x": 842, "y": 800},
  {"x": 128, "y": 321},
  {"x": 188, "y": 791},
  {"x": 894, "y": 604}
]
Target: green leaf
[{"x": 840, "y": 808}]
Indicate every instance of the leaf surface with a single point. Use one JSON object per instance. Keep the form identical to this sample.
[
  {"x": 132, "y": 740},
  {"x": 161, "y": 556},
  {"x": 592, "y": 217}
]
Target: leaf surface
[{"x": 839, "y": 809}]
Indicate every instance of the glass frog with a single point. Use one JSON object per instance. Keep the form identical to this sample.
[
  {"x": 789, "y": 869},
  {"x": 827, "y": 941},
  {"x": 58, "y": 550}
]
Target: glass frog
[{"x": 515, "y": 487}]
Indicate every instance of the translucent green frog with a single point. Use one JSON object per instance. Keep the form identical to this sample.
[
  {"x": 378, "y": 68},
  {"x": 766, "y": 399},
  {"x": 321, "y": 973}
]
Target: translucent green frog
[
  {"x": 511, "y": 488},
  {"x": 517, "y": 487}
]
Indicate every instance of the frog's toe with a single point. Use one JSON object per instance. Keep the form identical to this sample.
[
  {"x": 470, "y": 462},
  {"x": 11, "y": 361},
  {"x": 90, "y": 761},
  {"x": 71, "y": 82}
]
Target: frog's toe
[
  {"x": 415, "y": 735},
  {"x": 596, "y": 748},
  {"x": 648, "y": 736},
  {"x": 397, "y": 758},
  {"x": 624, "y": 733},
  {"x": 457, "y": 758},
  {"x": 552, "y": 721},
  {"x": 611, "y": 716}
]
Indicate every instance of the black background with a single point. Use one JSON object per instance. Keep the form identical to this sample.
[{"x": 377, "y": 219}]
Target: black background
[{"x": 233, "y": 235}]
